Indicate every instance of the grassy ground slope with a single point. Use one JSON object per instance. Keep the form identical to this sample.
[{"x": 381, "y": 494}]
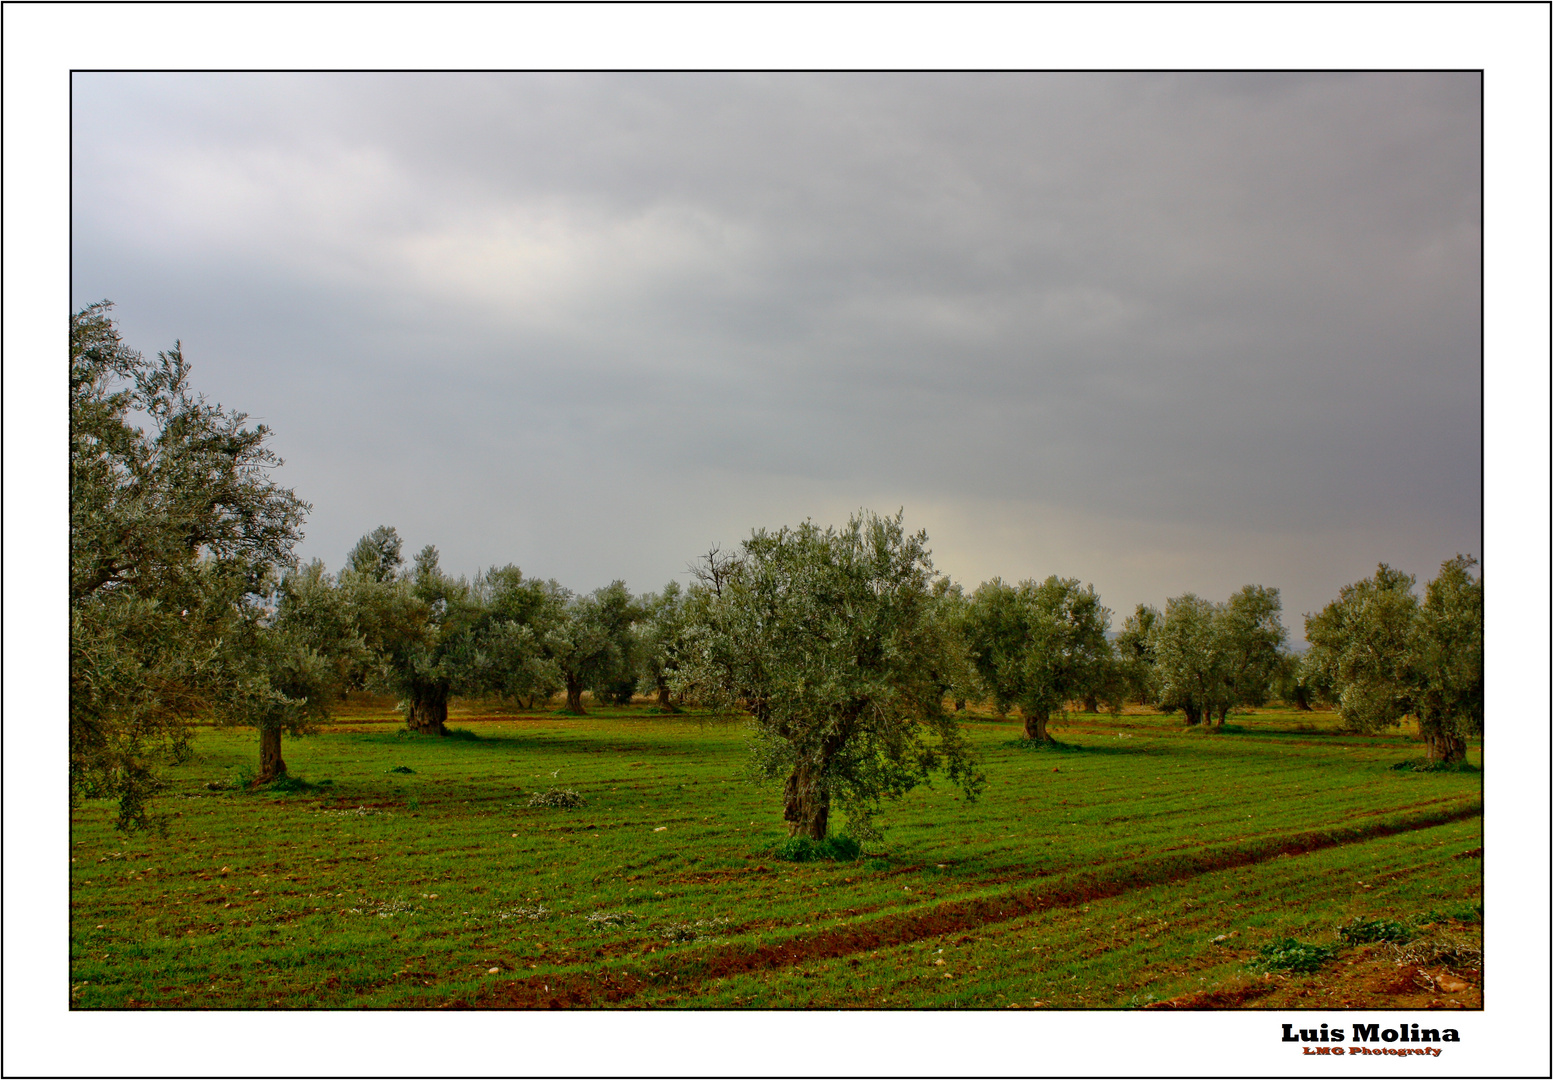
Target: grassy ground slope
[{"x": 1139, "y": 864}]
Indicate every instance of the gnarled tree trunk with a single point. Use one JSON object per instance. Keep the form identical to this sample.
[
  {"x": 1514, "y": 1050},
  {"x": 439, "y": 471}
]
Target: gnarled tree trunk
[
  {"x": 664, "y": 704},
  {"x": 574, "y": 695},
  {"x": 270, "y": 764},
  {"x": 1091, "y": 704},
  {"x": 959, "y": 704},
  {"x": 1445, "y": 747},
  {"x": 429, "y": 711},
  {"x": 1035, "y": 726},
  {"x": 806, "y": 802},
  {"x": 1192, "y": 713}
]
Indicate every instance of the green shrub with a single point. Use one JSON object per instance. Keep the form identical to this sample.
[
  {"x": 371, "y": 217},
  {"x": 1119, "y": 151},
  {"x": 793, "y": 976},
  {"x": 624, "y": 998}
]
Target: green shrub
[
  {"x": 1361, "y": 931},
  {"x": 1291, "y": 955},
  {"x": 796, "y": 849},
  {"x": 842, "y": 848},
  {"x": 839, "y": 848},
  {"x": 401, "y": 769}
]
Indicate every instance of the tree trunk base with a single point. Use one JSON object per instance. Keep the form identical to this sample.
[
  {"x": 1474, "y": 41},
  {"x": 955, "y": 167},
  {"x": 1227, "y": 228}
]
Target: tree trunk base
[
  {"x": 1445, "y": 748},
  {"x": 270, "y": 764},
  {"x": 429, "y": 716},
  {"x": 1035, "y": 728},
  {"x": 664, "y": 704},
  {"x": 805, "y": 805}
]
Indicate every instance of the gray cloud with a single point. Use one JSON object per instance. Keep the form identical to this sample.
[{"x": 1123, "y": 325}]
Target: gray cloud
[{"x": 1158, "y": 331}]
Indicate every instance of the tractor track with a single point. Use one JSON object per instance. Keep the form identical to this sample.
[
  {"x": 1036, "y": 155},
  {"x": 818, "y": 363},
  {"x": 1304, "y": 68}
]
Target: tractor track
[{"x": 681, "y": 971}]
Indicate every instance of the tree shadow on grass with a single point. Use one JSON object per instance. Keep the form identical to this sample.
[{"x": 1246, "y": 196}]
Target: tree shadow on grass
[{"x": 526, "y": 741}]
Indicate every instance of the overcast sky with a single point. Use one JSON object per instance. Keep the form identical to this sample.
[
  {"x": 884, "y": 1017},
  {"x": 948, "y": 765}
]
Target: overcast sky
[{"x": 1158, "y": 332}]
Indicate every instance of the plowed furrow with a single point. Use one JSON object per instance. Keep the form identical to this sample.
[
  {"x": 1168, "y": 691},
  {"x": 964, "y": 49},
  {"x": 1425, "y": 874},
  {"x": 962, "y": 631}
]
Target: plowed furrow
[{"x": 683, "y": 970}]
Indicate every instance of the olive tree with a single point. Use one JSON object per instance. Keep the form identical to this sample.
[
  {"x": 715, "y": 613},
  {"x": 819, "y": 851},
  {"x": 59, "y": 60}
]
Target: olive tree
[
  {"x": 955, "y": 675},
  {"x": 415, "y": 625},
  {"x": 1039, "y": 646},
  {"x": 1388, "y": 656},
  {"x": 591, "y": 643},
  {"x": 1134, "y": 646},
  {"x": 1189, "y": 665},
  {"x": 660, "y": 639},
  {"x": 431, "y": 636},
  {"x": 1250, "y": 638},
  {"x": 1209, "y": 658},
  {"x": 176, "y": 532},
  {"x": 1448, "y": 660},
  {"x": 1362, "y": 642},
  {"x": 377, "y": 555},
  {"x": 508, "y": 657},
  {"x": 832, "y": 641},
  {"x": 1293, "y": 683},
  {"x": 308, "y": 650}
]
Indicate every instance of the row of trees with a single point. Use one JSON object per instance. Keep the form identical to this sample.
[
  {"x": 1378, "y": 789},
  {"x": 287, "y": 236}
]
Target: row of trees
[
  {"x": 426, "y": 637},
  {"x": 842, "y": 645},
  {"x": 186, "y": 601}
]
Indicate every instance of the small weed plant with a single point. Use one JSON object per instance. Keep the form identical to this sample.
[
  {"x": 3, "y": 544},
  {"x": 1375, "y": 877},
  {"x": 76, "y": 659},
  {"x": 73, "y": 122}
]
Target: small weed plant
[
  {"x": 683, "y": 932},
  {"x": 1288, "y": 954},
  {"x": 557, "y": 798},
  {"x": 532, "y": 913},
  {"x": 612, "y": 920}
]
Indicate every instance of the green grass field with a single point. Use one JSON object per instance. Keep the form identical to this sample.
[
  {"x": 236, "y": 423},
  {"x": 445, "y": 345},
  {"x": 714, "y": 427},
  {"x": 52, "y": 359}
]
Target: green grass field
[{"x": 1140, "y": 863}]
